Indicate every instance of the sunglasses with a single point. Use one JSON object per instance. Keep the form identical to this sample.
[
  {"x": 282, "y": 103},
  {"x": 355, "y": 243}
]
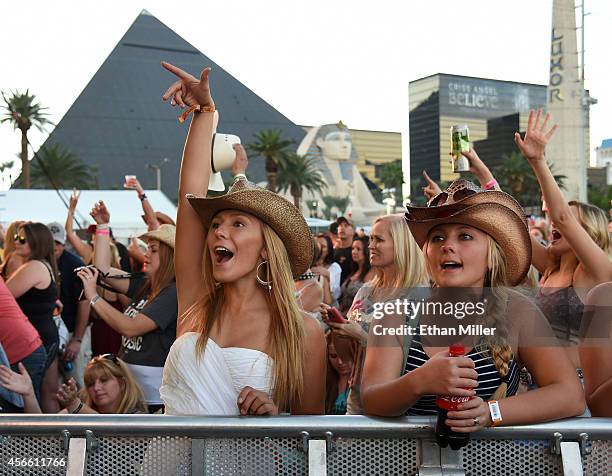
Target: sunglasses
[
  {"x": 112, "y": 357},
  {"x": 20, "y": 238},
  {"x": 442, "y": 197}
]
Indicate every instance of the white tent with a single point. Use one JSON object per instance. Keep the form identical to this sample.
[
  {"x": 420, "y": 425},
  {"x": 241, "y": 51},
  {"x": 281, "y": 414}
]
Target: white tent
[{"x": 46, "y": 206}]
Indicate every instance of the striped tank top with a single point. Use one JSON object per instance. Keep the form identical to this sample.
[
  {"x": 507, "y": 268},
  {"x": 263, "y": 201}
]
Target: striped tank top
[{"x": 488, "y": 376}]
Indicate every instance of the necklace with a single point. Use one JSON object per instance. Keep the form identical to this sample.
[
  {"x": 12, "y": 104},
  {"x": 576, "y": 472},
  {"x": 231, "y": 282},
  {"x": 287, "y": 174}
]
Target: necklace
[{"x": 305, "y": 276}]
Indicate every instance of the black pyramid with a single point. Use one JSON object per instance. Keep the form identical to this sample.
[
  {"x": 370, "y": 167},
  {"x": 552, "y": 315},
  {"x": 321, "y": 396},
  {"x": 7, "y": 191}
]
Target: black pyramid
[{"x": 120, "y": 124}]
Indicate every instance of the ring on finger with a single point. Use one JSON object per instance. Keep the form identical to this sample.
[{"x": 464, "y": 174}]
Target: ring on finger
[{"x": 476, "y": 421}]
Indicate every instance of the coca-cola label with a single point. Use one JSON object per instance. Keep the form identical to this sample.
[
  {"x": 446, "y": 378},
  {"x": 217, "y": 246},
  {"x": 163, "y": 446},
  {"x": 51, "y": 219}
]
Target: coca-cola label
[{"x": 449, "y": 402}]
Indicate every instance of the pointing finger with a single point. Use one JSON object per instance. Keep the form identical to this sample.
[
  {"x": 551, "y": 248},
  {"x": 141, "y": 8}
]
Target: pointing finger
[
  {"x": 175, "y": 70},
  {"x": 204, "y": 74}
]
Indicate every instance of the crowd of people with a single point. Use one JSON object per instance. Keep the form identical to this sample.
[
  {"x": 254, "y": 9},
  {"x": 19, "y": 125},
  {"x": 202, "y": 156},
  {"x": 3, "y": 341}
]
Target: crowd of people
[{"x": 238, "y": 309}]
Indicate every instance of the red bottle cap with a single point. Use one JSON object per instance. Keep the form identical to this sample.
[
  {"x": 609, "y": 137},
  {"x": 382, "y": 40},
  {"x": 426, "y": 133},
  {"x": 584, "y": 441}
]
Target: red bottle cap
[{"x": 456, "y": 350}]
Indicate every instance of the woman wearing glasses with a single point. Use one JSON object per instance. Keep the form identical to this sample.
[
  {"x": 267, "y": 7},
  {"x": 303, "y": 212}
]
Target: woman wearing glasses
[
  {"x": 34, "y": 285},
  {"x": 110, "y": 387}
]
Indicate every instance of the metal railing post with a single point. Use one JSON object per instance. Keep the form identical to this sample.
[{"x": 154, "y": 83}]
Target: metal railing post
[
  {"x": 317, "y": 458},
  {"x": 429, "y": 458},
  {"x": 571, "y": 458}
]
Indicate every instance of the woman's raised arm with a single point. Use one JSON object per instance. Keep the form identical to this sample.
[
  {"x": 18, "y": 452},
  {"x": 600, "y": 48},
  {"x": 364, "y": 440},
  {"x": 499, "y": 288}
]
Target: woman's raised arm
[
  {"x": 194, "y": 176},
  {"x": 594, "y": 260}
]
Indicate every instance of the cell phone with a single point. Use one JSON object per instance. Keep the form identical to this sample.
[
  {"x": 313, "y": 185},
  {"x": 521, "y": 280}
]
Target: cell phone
[{"x": 334, "y": 315}]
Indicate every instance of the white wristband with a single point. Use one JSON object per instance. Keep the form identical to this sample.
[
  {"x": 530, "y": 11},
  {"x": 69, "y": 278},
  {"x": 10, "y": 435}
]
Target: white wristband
[
  {"x": 102, "y": 226},
  {"x": 94, "y": 300},
  {"x": 496, "y": 416},
  {"x": 240, "y": 177}
]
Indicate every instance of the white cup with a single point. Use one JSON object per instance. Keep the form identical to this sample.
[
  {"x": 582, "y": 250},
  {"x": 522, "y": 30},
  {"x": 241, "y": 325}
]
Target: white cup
[{"x": 222, "y": 158}]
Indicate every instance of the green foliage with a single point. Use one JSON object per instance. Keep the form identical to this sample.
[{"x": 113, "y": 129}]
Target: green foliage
[
  {"x": 337, "y": 204},
  {"x": 296, "y": 173},
  {"x": 64, "y": 170},
  {"x": 270, "y": 145},
  {"x": 391, "y": 176},
  {"x": 21, "y": 110},
  {"x": 600, "y": 197},
  {"x": 516, "y": 177}
]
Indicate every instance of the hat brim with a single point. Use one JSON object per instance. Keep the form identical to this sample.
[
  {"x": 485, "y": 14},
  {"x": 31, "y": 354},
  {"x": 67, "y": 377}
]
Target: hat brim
[
  {"x": 501, "y": 222},
  {"x": 278, "y": 213},
  {"x": 164, "y": 234}
]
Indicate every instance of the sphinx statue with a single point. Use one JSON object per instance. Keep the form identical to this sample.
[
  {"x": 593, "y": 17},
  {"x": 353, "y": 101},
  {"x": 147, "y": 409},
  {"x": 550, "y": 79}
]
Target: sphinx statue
[{"x": 330, "y": 145}]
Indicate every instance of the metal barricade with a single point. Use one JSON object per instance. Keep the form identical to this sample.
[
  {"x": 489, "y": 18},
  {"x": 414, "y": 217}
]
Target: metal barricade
[{"x": 292, "y": 445}]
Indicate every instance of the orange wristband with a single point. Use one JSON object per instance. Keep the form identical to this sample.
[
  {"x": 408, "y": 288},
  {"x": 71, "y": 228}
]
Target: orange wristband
[{"x": 195, "y": 108}]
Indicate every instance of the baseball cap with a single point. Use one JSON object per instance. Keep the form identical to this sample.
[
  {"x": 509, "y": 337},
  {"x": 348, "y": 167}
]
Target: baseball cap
[
  {"x": 344, "y": 220},
  {"x": 58, "y": 232}
]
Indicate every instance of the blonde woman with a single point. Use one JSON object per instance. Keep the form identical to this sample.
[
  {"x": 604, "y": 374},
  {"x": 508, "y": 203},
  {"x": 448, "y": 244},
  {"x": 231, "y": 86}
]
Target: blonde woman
[
  {"x": 475, "y": 242},
  {"x": 578, "y": 256},
  {"x": 110, "y": 387},
  {"x": 11, "y": 261},
  {"x": 398, "y": 266},
  {"x": 243, "y": 346}
]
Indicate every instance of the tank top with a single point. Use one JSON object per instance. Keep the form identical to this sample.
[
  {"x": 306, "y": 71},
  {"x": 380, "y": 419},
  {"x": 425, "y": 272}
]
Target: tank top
[
  {"x": 563, "y": 309},
  {"x": 38, "y": 305},
  {"x": 488, "y": 376}
]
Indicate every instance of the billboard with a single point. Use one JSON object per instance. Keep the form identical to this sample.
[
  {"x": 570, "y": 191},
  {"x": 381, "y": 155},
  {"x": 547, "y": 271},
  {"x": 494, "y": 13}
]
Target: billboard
[{"x": 486, "y": 98}]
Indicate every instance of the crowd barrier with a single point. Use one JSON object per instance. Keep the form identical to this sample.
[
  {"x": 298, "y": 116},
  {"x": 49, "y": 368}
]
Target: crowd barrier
[{"x": 293, "y": 445}]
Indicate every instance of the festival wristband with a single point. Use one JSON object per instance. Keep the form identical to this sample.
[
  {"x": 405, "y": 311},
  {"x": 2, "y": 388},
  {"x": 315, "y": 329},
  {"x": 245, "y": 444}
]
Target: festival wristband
[
  {"x": 490, "y": 185},
  {"x": 102, "y": 232},
  {"x": 102, "y": 226},
  {"x": 496, "y": 417},
  {"x": 240, "y": 177},
  {"x": 94, "y": 300}
]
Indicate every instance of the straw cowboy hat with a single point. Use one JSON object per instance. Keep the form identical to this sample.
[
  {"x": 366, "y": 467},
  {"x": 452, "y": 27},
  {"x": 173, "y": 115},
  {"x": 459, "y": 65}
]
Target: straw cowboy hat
[
  {"x": 281, "y": 215},
  {"x": 164, "y": 234},
  {"x": 493, "y": 212}
]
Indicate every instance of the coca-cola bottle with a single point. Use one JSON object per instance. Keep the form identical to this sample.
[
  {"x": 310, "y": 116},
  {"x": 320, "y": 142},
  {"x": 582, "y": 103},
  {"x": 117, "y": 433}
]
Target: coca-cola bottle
[{"x": 444, "y": 435}]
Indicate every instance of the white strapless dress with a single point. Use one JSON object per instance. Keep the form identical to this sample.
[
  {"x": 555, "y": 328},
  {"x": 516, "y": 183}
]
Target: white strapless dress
[{"x": 210, "y": 385}]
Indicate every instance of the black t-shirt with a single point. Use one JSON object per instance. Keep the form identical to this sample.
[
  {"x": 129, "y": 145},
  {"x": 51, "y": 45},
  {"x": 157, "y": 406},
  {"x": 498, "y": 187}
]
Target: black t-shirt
[
  {"x": 70, "y": 287},
  {"x": 344, "y": 257},
  {"x": 151, "y": 349}
]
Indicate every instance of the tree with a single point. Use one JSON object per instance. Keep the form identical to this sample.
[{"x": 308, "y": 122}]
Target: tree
[
  {"x": 331, "y": 202},
  {"x": 297, "y": 173},
  {"x": 60, "y": 168},
  {"x": 516, "y": 177},
  {"x": 270, "y": 145},
  {"x": 391, "y": 176},
  {"x": 601, "y": 197},
  {"x": 23, "y": 112}
]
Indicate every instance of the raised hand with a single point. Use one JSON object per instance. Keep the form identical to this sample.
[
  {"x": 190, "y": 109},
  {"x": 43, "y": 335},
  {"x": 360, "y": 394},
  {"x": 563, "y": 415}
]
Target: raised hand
[
  {"x": 74, "y": 200},
  {"x": 533, "y": 146},
  {"x": 89, "y": 276},
  {"x": 432, "y": 188},
  {"x": 100, "y": 213},
  {"x": 20, "y": 383},
  {"x": 241, "y": 162},
  {"x": 188, "y": 90},
  {"x": 67, "y": 395}
]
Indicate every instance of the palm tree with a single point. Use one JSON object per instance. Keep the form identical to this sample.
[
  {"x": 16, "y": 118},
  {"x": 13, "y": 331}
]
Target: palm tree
[
  {"x": 23, "y": 112},
  {"x": 298, "y": 172},
  {"x": 331, "y": 202},
  {"x": 391, "y": 176},
  {"x": 270, "y": 145},
  {"x": 60, "y": 168},
  {"x": 516, "y": 176}
]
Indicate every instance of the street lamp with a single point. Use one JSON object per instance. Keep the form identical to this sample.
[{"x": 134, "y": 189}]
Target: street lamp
[{"x": 157, "y": 168}]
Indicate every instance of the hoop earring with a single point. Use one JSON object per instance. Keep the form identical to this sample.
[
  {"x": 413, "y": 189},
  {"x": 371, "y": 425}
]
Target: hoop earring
[{"x": 267, "y": 284}]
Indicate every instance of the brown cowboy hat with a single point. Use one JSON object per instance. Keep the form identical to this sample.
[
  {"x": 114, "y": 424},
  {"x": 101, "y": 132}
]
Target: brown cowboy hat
[
  {"x": 493, "y": 212},
  {"x": 278, "y": 213}
]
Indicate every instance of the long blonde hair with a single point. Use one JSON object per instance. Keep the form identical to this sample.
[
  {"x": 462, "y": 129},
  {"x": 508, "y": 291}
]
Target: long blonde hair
[
  {"x": 409, "y": 261},
  {"x": 593, "y": 219},
  {"x": 132, "y": 398},
  {"x": 497, "y": 282},
  {"x": 287, "y": 333}
]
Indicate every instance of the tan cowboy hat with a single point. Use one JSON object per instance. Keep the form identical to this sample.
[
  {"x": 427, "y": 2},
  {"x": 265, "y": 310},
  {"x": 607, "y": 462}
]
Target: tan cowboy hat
[
  {"x": 278, "y": 213},
  {"x": 164, "y": 234},
  {"x": 493, "y": 212}
]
